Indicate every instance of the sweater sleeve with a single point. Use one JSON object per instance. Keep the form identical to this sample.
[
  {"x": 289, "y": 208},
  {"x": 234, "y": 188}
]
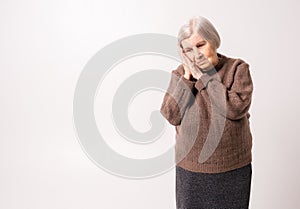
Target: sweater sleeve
[
  {"x": 232, "y": 103},
  {"x": 178, "y": 95}
]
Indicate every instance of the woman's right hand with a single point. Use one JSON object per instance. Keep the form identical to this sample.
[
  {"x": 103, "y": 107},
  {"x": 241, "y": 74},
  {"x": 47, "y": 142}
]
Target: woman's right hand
[
  {"x": 187, "y": 73},
  {"x": 189, "y": 70}
]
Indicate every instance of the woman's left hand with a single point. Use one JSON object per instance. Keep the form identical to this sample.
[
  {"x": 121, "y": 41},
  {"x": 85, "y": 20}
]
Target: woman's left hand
[
  {"x": 203, "y": 63},
  {"x": 195, "y": 71}
]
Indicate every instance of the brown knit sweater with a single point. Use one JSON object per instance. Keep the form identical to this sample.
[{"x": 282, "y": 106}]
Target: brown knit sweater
[{"x": 211, "y": 117}]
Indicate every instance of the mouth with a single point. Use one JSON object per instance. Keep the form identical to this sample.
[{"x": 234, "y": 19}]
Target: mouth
[
  {"x": 200, "y": 68},
  {"x": 198, "y": 63}
]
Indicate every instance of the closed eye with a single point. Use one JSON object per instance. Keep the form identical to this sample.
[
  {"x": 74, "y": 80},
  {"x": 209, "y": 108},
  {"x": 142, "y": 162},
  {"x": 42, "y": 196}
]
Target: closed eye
[{"x": 187, "y": 50}]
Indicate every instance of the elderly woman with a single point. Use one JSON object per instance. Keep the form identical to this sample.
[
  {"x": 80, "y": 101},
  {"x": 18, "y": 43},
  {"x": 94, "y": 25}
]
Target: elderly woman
[{"x": 207, "y": 101}]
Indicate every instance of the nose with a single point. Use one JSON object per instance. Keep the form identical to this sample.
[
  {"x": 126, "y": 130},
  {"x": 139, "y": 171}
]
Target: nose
[
  {"x": 197, "y": 54},
  {"x": 195, "y": 49}
]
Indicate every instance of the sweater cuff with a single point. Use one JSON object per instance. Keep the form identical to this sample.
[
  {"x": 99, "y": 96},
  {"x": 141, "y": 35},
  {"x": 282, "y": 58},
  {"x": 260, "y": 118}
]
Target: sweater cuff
[
  {"x": 182, "y": 91},
  {"x": 189, "y": 84},
  {"x": 204, "y": 79}
]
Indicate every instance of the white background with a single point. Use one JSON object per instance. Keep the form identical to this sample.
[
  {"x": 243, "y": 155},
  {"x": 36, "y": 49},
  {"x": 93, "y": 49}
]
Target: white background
[{"x": 44, "y": 46}]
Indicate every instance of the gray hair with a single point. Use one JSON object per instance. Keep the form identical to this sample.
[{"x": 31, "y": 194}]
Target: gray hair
[{"x": 203, "y": 27}]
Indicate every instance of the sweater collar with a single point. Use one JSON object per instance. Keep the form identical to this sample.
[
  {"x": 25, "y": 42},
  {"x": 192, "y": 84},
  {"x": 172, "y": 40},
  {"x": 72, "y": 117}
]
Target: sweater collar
[
  {"x": 221, "y": 61},
  {"x": 220, "y": 64}
]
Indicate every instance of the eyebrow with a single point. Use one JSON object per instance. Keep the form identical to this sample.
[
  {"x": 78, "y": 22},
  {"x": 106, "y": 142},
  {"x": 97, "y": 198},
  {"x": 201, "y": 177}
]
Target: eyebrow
[{"x": 200, "y": 42}]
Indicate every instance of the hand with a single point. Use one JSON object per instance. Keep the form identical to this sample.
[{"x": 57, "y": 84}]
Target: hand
[
  {"x": 203, "y": 63},
  {"x": 189, "y": 67}
]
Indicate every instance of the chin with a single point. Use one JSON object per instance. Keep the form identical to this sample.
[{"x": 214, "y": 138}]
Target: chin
[{"x": 210, "y": 60}]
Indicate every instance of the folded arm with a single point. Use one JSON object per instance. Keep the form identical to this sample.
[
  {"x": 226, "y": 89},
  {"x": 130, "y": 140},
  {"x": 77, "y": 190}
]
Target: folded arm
[
  {"x": 177, "y": 97},
  {"x": 232, "y": 103}
]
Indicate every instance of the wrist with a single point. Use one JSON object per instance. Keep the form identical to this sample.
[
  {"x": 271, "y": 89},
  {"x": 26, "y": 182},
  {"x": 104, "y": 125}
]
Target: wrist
[{"x": 187, "y": 76}]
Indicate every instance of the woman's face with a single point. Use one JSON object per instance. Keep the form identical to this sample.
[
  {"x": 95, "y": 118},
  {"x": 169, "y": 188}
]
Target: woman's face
[{"x": 195, "y": 47}]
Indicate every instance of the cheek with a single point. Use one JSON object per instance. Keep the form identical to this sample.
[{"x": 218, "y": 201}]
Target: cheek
[
  {"x": 208, "y": 52},
  {"x": 190, "y": 56}
]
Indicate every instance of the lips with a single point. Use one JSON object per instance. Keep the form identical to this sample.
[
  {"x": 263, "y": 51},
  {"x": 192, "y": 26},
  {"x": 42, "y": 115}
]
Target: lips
[{"x": 199, "y": 61}]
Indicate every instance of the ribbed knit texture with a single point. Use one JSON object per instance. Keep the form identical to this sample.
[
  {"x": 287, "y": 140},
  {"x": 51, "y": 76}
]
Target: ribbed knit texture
[{"x": 220, "y": 98}]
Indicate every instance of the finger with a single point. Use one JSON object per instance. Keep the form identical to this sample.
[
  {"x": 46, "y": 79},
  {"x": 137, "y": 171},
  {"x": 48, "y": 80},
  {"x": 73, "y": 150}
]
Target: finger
[
  {"x": 196, "y": 71},
  {"x": 182, "y": 55},
  {"x": 187, "y": 61}
]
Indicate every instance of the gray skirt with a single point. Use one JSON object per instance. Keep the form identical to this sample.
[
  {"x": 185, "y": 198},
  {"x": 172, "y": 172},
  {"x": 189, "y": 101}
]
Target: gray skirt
[{"x": 227, "y": 190}]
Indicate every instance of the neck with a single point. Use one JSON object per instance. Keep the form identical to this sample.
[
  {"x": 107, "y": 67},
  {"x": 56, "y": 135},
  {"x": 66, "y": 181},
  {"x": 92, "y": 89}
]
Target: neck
[{"x": 215, "y": 60}]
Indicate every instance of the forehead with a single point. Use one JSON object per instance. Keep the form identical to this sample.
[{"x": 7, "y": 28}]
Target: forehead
[{"x": 192, "y": 40}]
